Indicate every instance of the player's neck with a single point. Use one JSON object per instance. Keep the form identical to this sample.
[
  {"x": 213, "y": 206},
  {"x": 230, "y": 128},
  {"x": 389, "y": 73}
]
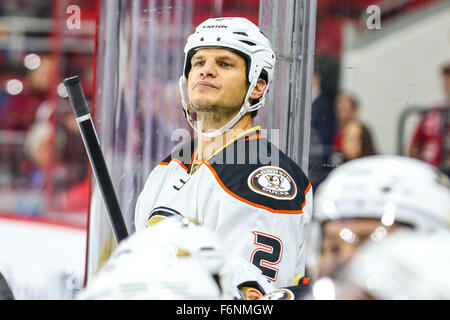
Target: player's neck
[{"x": 209, "y": 146}]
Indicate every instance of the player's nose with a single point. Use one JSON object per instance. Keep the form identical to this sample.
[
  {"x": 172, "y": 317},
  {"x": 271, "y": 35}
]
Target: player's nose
[{"x": 209, "y": 68}]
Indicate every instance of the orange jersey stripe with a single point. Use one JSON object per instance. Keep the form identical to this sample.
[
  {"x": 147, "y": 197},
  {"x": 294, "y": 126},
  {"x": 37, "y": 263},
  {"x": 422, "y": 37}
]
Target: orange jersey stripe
[
  {"x": 306, "y": 191},
  {"x": 255, "y": 136},
  {"x": 246, "y": 201},
  {"x": 180, "y": 163}
]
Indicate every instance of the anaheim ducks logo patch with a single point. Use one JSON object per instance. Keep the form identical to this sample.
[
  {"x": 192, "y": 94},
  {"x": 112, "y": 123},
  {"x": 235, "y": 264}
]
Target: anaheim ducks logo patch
[{"x": 272, "y": 182}]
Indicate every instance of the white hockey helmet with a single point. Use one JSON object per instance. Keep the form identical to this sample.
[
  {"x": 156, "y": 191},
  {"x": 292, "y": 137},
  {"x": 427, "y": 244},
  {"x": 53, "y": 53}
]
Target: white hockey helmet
[
  {"x": 246, "y": 39},
  {"x": 157, "y": 275},
  {"x": 405, "y": 265},
  {"x": 172, "y": 259},
  {"x": 389, "y": 188}
]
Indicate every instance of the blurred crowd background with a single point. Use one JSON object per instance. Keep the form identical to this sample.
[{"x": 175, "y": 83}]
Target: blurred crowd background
[
  {"x": 44, "y": 170},
  {"x": 43, "y": 166},
  {"x": 381, "y": 86}
]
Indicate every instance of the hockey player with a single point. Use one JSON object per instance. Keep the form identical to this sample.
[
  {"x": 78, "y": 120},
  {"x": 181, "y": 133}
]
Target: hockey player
[
  {"x": 383, "y": 271},
  {"x": 366, "y": 199},
  {"x": 174, "y": 259},
  {"x": 230, "y": 178}
]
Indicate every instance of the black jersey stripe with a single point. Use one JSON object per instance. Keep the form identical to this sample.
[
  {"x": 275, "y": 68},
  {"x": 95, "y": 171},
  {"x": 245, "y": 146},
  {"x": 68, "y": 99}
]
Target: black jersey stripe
[{"x": 246, "y": 159}]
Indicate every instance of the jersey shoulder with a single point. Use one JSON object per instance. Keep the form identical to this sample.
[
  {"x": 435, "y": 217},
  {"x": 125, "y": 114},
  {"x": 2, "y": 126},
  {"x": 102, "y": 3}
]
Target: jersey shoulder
[
  {"x": 258, "y": 173},
  {"x": 182, "y": 154}
]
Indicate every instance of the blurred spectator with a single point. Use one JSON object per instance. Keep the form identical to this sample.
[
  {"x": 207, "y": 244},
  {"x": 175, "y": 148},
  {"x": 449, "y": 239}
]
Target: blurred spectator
[
  {"x": 357, "y": 141},
  {"x": 60, "y": 156},
  {"x": 51, "y": 159},
  {"x": 323, "y": 118},
  {"x": 4, "y": 97},
  {"x": 18, "y": 109},
  {"x": 352, "y": 138},
  {"x": 26, "y": 8},
  {"x": 347, "y": 107},
  {"x": 21, "y": 108},
  {"x": 38, "y": 146},
  {"x": 322, "y": 112},
  {"x": 431, "y": 139}
]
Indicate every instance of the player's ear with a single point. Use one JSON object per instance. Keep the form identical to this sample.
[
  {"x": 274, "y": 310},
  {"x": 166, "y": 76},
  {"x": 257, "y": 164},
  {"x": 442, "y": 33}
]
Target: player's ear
[
  {"x": 252, "y": 294},
  {"x": 259, "y": 89}
]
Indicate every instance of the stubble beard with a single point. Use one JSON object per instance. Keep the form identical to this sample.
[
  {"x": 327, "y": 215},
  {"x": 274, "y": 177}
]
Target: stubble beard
[{"x": 213, "y": 114}]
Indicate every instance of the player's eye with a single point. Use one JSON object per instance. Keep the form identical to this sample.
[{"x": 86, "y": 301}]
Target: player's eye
[
  {"x": 225, "y": 64},
  {"x": 198, "y": 63}
]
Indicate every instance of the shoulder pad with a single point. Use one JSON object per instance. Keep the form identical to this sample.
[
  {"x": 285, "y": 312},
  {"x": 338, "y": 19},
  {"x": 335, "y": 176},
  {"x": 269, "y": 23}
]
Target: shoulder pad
[
  {"x": 258, "y": 173},
  {"x": 183, "y": 154}
]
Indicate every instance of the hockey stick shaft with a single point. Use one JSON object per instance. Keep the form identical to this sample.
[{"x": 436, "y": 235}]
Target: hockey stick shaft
[
  {"x": 5, "y": 291},
  {"x": 95, "y": 154}
]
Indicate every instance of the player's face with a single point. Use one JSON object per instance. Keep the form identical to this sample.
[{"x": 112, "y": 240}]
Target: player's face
[
  {"x": 217, "y": 81},
  {"x": 341, "y": 239}
]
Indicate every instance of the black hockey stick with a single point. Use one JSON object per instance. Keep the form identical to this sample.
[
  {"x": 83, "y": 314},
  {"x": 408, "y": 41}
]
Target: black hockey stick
[
  {"x": 94, "y": 151},
  {"x": 5, "y": 290}
]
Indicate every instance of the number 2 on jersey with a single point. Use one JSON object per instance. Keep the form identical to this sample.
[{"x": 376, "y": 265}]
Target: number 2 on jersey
[{"x": 268, "y": 254}]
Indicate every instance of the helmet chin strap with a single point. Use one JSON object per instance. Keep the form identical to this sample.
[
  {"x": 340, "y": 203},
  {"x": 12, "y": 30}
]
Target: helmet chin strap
[{"x": 244, "y": 109}]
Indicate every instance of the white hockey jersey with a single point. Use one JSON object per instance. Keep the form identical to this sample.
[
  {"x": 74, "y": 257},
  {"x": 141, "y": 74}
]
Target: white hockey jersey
[{"x": 257, "y": 200}]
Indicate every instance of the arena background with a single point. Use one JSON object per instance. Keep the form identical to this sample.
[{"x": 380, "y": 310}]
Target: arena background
[{"x": 54, "y": 231}]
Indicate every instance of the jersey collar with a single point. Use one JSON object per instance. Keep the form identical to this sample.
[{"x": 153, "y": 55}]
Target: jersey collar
[{"x": 249, "y": 134}]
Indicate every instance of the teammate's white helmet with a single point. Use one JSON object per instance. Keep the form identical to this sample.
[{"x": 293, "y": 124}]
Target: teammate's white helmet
[
  {"x": 173, "y": 259},
  {"x": 241, "y": 36},
  {"x": 157, "y": 275},
  {"x": 185, "y": 234},
  {"x": 405, "y": 265},
  {"x": 246, "y": 274},
  {"x": 386, "y": 187}
]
